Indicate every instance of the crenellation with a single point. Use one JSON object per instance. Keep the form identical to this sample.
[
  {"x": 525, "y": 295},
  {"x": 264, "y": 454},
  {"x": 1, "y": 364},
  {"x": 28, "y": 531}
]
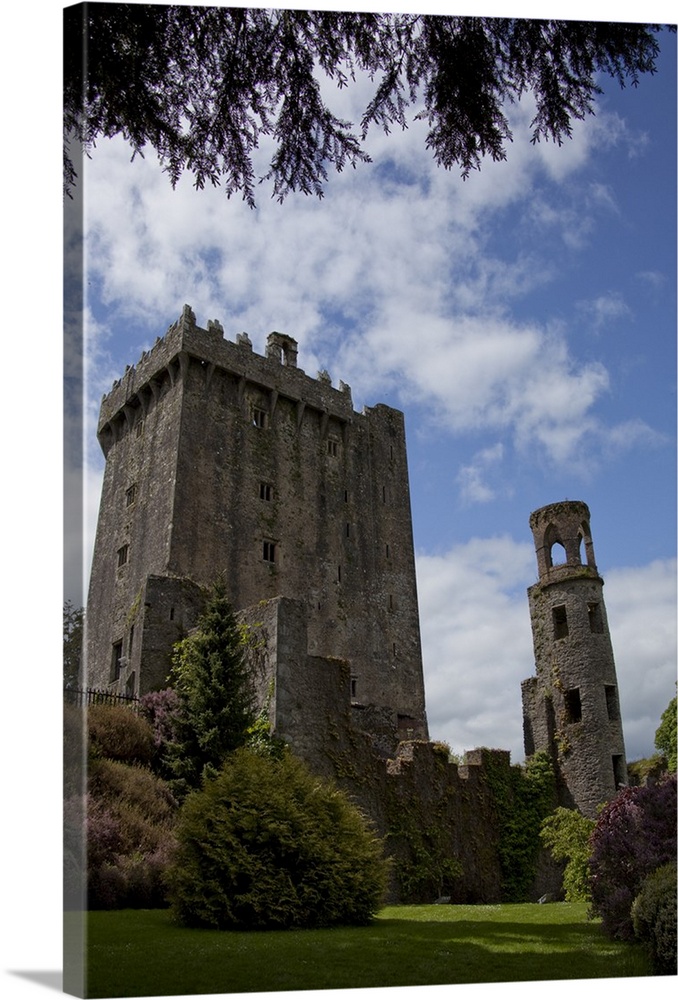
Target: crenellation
[
  {"x": 221, "y": 462},
  {"x": 197, "y": 395},
  {"x": 276, "y": 370},
  {"x": 214, "y": 327}
]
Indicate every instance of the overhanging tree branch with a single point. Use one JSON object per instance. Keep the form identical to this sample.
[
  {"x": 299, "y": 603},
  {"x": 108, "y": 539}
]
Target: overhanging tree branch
[{"x": 201, "y": 86}]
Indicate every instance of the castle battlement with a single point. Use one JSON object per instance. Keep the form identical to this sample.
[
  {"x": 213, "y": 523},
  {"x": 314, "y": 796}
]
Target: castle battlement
[
  {"x": 224, "y": 462},
  {"x": 276, "y": 373}
]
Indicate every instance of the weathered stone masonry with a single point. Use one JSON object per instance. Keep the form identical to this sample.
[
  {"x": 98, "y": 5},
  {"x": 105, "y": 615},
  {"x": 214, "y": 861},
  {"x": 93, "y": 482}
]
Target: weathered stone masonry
[
  {"x": 222, "y": 462},
  {"x": 571, "y": 708}
]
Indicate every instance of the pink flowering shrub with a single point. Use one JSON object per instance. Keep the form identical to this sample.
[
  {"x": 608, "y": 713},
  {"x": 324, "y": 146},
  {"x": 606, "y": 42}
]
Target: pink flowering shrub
[
  {"x": 160, "y": 709},
  {"x": 129, "y": 826}
]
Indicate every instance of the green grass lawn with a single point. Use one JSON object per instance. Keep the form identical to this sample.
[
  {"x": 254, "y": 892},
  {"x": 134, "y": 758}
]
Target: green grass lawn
[{"x": 142, "y": 953}]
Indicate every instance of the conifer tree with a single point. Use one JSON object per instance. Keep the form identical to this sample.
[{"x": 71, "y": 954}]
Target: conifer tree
[
  {"x": 216, "y": 699},
  {"x": 201, "y": 86}
]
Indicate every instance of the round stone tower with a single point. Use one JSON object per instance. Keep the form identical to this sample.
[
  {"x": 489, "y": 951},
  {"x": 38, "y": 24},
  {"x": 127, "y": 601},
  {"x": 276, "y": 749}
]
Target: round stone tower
[{"x": 571, "y": 707}]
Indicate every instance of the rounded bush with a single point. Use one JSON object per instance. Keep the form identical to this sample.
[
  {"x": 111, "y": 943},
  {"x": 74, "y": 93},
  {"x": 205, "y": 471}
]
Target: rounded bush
[
  {"x": 267, "y": 845},
  {"x": 654, "y": 918},
  {"x": 117, "y": 732}
]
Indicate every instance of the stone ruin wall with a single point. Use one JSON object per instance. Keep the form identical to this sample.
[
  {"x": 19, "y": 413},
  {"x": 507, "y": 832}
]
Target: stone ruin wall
[
  {"x": 379, "y": 755},
  {"x": 407, "y": 787}
]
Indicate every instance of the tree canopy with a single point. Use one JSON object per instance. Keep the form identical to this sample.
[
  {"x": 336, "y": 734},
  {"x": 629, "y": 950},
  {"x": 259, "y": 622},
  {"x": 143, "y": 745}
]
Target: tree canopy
[
  {"x": 201, "y": 86},
  {"x": 665, "y": 738}
]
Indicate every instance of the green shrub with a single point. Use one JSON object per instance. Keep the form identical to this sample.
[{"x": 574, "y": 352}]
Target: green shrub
[
  {"x": 266, "y": 844},
  {"x": 131, "y": 787},
  {"x": 665, "y": 737},
  {"x": 117, "y": 732},
  {"x": 73, "y": 749},
  {"x": 654, "y": 918},
  {"x": 523, "y": 797},
  {"x": 566, "y": 833}
]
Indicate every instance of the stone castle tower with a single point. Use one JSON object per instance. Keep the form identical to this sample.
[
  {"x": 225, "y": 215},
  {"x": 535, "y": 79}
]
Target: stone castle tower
[
  {"x": 220, "y": 461},
  {"x": 571, "y": 708}
]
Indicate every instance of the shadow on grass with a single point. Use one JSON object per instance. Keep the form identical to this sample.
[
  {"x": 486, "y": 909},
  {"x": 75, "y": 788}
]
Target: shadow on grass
[{"x": 142, "y": 953}]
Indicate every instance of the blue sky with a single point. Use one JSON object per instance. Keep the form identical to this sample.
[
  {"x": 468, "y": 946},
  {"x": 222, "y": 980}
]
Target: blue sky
[{"x": 524, "y": 320}]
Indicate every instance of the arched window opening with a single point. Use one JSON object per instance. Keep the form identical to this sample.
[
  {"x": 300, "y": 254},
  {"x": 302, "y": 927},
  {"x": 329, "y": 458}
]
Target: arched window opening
[
  {"x": 585, "y": 537},
  {"x": 578, "y": 552},
  {"x": 550, "y": 539},
  {"x": 557, "y": 554}
]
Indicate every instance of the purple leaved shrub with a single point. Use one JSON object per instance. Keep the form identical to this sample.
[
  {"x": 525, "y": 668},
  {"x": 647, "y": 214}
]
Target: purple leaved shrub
[
  {"x": 130, "y": 836},
  {"x": 129, "y": 812},
  {"x": 634, "y": 835},
  {"x": 160, "y": 710}
]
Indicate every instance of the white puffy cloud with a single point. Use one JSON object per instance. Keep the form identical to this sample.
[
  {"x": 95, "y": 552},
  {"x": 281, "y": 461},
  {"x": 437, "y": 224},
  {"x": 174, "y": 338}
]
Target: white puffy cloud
[
  {"x": 390, "y": 277},
  {"x": 476, "y": 641},
  {"x": 641, "y": 609},
  {"x": 472, "y": 478}
]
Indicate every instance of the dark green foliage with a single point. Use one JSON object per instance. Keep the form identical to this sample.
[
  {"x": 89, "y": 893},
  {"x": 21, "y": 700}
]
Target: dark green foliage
[
  {"x": 523, "y": 798},
  {"x": 420, "y": 843},
  {"x": 202, "y": 85},
  {"x": 646, "y": 769},
  {"x": 634, "y": 835},
  {"x": 566, "y": 833},
  {"x": 74, "y": 627},
  {"x": 425, "y": 874},
  {"x": 267, "y": 845},
  {"x": 118, "y": 733},
  {"x": 666, "y": 736},
  {"x": 215, "y": 697},
  {"x": 262, "y": 740},
  {"x": 654, "y": 918}
]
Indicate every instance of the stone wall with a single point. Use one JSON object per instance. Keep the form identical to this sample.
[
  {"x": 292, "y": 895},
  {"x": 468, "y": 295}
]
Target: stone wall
[
  {"x": 223, "y": 462},
  {"x": 571, "y": 707},
  {"x": 431, "y": 811}
]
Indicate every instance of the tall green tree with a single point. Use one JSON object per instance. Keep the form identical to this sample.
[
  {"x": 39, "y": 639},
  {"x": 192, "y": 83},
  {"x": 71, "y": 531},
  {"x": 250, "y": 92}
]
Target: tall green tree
[
  {"x": 216, "y": 699},
  {"x": 74, "y": 630},
  {"x": 666, "y": 736},
  {"x": 202, "y": 85}
]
